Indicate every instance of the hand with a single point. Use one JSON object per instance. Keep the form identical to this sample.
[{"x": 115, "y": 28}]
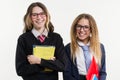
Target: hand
[
  {"x": 33, "y": 59},
  {"x": 52, "y": 58}
]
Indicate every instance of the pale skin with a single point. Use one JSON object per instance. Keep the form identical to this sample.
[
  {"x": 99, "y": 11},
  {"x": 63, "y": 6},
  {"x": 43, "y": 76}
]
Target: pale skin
[
  {"x": 83, "y": 35},
  {"x": 38, "y": 19}
]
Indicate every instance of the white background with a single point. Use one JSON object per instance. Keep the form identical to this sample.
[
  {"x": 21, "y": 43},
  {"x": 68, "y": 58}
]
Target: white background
[{"x": 63, "y": 12}]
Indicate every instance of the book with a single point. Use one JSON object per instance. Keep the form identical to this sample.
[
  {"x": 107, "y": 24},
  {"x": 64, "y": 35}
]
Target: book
[
  {"x": 93, "y": 72},
  {"x": 45, "y": 52}
]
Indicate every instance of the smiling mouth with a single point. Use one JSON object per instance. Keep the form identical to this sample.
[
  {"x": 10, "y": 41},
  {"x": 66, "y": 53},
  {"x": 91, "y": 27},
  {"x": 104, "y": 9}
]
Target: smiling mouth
[
  {"x": 40, "y": 21},
  {"x": 81, "y": 34}
]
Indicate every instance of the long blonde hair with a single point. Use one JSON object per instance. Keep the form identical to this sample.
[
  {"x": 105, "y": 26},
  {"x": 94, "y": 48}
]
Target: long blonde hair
[
  {"x": 94, "y": 39},
  {"x": 27, "y": 20}
]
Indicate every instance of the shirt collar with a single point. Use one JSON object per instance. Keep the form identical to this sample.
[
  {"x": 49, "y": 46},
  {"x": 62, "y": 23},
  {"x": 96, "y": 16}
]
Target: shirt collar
[
  {"x": 80, "y": 43},
  {"x": 36, "y": 33}
]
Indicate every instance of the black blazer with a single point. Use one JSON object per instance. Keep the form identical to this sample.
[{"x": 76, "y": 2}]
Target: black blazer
[
  {"x": 35, "y": 71},
  {"x": 71, "y": 71}
]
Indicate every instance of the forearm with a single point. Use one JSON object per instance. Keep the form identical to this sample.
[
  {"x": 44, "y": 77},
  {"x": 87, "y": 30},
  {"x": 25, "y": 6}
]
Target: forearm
[{"x": 53, "y": 64}]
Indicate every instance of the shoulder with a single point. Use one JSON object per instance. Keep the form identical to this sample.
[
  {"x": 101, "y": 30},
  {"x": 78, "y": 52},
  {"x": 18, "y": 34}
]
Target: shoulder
[
  {"x": 25, "y": 36},
  {"x": 101, "y": 45},
  {"x": 102, "y": 48},
  {"x": 67, "y": 45},
  {"x": 67, "y": 48},
  {"x": 54, "y": 35}
]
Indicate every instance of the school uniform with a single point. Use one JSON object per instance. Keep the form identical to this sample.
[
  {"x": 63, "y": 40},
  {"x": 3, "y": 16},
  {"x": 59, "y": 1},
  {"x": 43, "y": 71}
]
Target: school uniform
[
  {"x": 76, "y": 71},
  {"x": 36, "y": 71}
]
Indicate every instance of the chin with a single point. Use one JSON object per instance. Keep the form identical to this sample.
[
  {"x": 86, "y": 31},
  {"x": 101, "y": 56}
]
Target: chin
[{"x": 81, "y": 38}]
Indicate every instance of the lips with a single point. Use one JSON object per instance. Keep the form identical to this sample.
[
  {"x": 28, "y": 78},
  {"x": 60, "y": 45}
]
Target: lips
[
  {"x": 81, "y": 34},
  {"x": 39, "y": 21}
]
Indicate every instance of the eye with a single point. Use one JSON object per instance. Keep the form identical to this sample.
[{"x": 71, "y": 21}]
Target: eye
[
  {"x": 42, "y": 13},
  {"x": 34, "y": 14},
  {"x": 78, "y": 26},
  {"x": 86, "y": 27}
]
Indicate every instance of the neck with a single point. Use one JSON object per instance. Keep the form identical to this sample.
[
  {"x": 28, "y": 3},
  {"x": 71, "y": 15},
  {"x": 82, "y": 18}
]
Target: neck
[{"x": 41, "y": 30}]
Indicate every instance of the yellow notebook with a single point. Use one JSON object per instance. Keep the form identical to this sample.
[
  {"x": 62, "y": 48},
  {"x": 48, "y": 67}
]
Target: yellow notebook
[{"x": 45, "y": 52}]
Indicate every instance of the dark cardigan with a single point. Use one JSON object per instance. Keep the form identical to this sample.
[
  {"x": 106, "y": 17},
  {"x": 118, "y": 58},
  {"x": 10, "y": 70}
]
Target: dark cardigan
[{"x": 35, "y": 71}]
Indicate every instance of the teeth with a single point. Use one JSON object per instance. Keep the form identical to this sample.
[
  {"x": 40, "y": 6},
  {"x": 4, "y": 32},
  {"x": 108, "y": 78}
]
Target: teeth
[
  {"x": 81, "y": 34},
  {"x": 39, "y": 21}
]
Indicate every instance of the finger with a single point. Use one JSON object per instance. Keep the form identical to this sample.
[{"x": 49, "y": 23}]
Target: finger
[{"x": 53, "y": 58}]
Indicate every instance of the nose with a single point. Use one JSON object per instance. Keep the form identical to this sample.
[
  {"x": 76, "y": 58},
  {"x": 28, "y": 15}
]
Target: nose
[
  {"x": 39, "y": 16},
  {"x": 81, "y": 29}
]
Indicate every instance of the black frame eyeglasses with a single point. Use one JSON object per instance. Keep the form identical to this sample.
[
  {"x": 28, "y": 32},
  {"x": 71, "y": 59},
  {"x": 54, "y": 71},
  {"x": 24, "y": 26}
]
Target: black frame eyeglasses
[{"x": 85, "y": 27}]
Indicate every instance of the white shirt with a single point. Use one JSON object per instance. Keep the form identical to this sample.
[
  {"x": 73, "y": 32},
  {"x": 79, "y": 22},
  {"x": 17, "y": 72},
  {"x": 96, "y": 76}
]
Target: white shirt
[
  {"x": 80, "y": 60},
  {"x": 36, "y": 33}
]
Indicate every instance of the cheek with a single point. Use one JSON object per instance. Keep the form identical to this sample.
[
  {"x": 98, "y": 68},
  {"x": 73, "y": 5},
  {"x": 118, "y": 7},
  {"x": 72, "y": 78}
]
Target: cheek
[
  {"x": 77, "y": 31},
  {"x": 33, "y": 19},
  {"x": 45, "y": 18},
  {"x": 88, "y": 33}
]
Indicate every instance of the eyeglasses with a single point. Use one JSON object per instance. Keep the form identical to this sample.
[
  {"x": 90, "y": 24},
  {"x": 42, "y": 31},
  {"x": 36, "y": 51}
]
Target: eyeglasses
[
  {"x": 86, "y": 28},
  {"x": 35, "y": 15}
]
